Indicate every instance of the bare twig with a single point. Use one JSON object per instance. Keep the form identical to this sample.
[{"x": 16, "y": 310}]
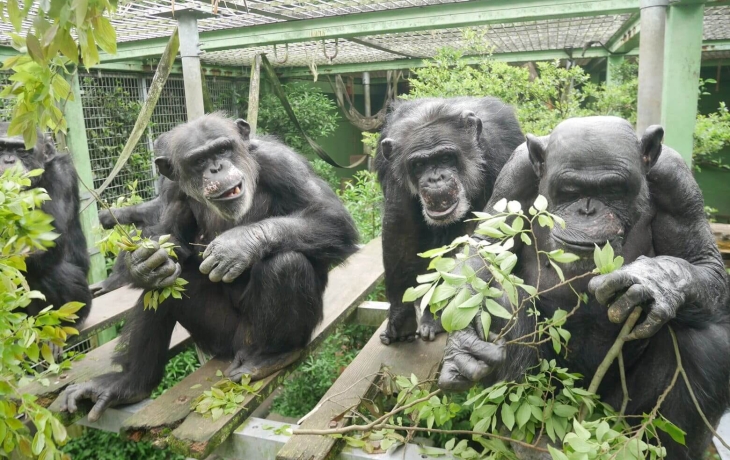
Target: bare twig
[
  {"x": 624, "y": 387},
  {"x": 613, "y": 352},
  {"x": 680, "y": 368},
  {"x": 419, "y": 429}
]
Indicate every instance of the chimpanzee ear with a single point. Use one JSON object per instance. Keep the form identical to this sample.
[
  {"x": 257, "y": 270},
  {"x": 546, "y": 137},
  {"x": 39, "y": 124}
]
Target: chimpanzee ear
[
  {"x": 537, "y": 154},
  {"x": 386, "y": 146},
  {"x": 45, "y": 142},
  {"x": 164, "y": 166},
  {"x": 651, "y": 146},
  {"x": 471, "y": 121},
  {"x": 244, "y": 128}
]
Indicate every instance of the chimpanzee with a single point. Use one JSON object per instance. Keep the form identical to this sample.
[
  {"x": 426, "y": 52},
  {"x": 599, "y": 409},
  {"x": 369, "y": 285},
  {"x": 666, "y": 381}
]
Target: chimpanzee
[
  {"x": 436, "y": 161},
  {"x": 59, "y": 273},
  {"x": 142, "y": 216},
  {"x": 641, "y": 197},
  {"x": 266, "y": 226}
]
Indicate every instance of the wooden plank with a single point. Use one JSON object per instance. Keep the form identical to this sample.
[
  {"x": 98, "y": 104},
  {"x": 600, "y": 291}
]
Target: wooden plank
[
  {"x": 417, "y": 357},
  {"x": 107, "y": 310},
  {"x": 198, "y": 436},
  {"x": 95, "y": 363}
]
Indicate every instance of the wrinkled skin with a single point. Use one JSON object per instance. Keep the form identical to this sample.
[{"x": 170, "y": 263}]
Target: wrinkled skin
[
  {"x": 437, "y": 160},
  {"x": 641, "y": 196},
  {"x": 257, "y": 232},
  {"x": 59, "y": 272}
]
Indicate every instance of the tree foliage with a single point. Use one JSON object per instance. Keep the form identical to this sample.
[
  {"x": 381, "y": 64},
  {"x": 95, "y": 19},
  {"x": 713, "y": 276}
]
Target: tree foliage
[{"x": 25, "y": 341}]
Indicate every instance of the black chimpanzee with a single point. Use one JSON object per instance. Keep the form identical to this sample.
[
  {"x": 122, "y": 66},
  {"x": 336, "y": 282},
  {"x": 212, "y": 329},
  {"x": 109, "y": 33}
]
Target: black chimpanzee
[
  {"x": 437, "y": 161},
  {"x": 268, "y": 227},
  {"x": 641, "y": 197},
  {"x": 60, "y": 272},
  {"x": 142, "y": 216}
]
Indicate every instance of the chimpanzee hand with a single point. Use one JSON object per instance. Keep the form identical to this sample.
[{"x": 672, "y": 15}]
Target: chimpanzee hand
[
  {"x": 660, "y": 285},
  {"x": 151, "y": 267},
  {"x": 107, "y": 391},
  {"x": 232, "y": 252},
  {"x": 106, "y": 219},
  {"x": 468, "y": 359}
]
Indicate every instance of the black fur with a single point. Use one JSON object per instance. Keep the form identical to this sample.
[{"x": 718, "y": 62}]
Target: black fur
[
  {"x": 607, "y": 185},
  {"x": 478, "y": 135},
  {"x": 60, "y": 273},
  {"x": 294, "y": 229}
]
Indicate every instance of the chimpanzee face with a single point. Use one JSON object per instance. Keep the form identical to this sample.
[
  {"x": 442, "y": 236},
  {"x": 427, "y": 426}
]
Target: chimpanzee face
[
  {"x": 14, "y": 154},
  {"x": 440, "y": 161},
  {"x": 593, "y": 172},
  {"x": 210, "y": 161}
]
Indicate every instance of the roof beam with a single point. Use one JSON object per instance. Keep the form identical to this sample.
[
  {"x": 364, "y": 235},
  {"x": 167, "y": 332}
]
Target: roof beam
[
  {"x": 627, "y": 37},
  {"x": 400, "y": 64},
  {"x": 442, "y": 16}
]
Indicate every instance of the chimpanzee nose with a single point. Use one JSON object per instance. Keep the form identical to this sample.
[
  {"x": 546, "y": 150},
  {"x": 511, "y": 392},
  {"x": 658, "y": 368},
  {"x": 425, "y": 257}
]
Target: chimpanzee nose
[
  {"x": 216, "y": 167},
  {"x": 589, "y": 210},
  {"x": 436, "y": 177},
  {"x": 9, "y": 160}
]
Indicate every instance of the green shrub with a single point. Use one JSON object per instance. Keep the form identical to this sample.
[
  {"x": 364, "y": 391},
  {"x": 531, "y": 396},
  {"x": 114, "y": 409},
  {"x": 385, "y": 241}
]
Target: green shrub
[
  {"x": 364, "y": 200},
  {"x": 103, "y": 445},
  {"x": 176, "y": 369},
  {"x": 301, "y": 392}
]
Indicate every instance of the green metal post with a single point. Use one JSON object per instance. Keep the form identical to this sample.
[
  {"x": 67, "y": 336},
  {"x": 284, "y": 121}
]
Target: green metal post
[
  {"x": 682, "y": 56},
  {"x": 77, "y": 145},
  {"x": 612, "y": 63}
]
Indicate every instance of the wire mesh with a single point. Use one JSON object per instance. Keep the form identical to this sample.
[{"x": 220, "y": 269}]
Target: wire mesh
[{"x": 5, "y": 104}]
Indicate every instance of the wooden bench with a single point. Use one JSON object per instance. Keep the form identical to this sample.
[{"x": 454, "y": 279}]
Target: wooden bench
[{"x": 168, "y": 420}]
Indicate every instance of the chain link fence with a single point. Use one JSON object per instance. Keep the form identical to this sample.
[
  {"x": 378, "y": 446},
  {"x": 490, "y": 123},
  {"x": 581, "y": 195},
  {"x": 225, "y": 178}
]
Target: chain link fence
[{"x": 111, "y": 103}]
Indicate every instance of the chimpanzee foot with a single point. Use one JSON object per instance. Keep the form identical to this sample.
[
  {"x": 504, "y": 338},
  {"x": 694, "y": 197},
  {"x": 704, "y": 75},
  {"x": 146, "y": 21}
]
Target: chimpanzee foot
[
  {"x": 100, "y": 393},
  {"x": 429, "y": 327},
  {"x": 258, "y": 366},
  {"x": 399, "y": 329}
]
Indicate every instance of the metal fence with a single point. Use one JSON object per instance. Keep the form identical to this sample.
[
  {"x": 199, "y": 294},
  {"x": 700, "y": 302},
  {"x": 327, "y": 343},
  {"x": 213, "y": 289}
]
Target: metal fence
[{"x": 111, "y": 103}]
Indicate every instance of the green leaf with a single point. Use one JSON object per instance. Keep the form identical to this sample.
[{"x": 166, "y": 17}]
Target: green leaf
[
  {"x": 676, "y": 433},
  {"x": 486, "y": 319},
  {"x": 412, "y": 294},
  {"x": 545, "y": 221},
  {"x": 541, "y": 203},
  {"x": 558, "y": 271},
  {"x": 508, "y": 263},
  {"x": 473, "y": 301},
  {"x": 105, "y": 35},
  {"x": 523, "y": 414},
  {"x": 490, "y": 232},
  {"x": 514, "y": 207},
  {"x": 428, "y": 277},
  {"x": 565, "y": 411},
  {"x": 445, "y": 264},
  {"x": 518, "y": 224},
  {"x": 508, "y": 416},
  {"x": 443, "y": 292},
  {"x": 454, "y": 280},
  {"x": 455, "y": 319},
  {"x": 16, "y": 19},
  {"x": 34, "y": 49},
  {"x": 497, "y": 310},
  {"x": 556, "y": 454},
  {"x": 525, "y": 239},
  {"x": 565, "y": 258}
]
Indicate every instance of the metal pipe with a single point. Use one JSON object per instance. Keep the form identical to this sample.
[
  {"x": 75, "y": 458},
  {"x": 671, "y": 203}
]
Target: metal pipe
[
  {"x": 368, "y": 109},
  {"x": 651, "y": 63},
  {"x": 190, "y": 53}
]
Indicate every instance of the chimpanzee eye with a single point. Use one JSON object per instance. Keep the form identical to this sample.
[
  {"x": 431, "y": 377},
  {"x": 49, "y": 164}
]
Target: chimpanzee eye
[
  {"x": 200, "y": 162},
  {"x": 418, "y": 164}
]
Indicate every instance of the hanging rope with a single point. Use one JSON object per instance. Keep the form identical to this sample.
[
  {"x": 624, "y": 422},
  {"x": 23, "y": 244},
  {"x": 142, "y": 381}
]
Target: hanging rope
[
  {"x": 362, "y": 122},
  {"x": 279, "y": 91}
]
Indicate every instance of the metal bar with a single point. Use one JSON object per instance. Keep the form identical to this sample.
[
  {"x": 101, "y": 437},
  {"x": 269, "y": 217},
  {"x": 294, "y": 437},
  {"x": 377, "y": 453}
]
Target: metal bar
[
  {"x": 77, "y": 144},
  {"x": 253, "y": 94},
  {"x": 189, "y": 51},
  {"x": 626, "y": 37},
  {"x": 399, "y": 64},
  {"x": 682, "y": 56},
  {"x": 651, "y": 58},
  {"x": 142, "y": 83},
  {"x": 441, "y": 16},
  {"x": 612, "y": 62}
]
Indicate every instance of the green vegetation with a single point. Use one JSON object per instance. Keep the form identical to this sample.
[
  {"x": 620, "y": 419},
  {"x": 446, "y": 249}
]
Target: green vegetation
[
  {"x": 314, "y": 377},
  {"x": 103, "y": 445}
]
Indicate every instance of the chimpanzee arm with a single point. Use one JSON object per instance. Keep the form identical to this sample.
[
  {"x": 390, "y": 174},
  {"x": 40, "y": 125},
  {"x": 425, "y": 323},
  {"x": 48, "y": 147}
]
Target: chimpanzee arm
[
  {"x": 140, "y": 215},
  {"x": 686, "y": 280}
]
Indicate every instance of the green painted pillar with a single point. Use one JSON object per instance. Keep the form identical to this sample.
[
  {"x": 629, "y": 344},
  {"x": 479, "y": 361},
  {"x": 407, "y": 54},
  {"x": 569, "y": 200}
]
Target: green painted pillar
[
  {"x": 682, "y": 55},
  {"x": 76, "y": 143},
  {"x": 613, "y": 61}
]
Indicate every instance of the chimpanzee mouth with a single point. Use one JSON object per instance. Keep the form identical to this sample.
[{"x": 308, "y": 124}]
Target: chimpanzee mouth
[
  {"x": 230, "y": 194},
  {"x": 439, "y": 215},
  {"x": 580, "y": 245}
]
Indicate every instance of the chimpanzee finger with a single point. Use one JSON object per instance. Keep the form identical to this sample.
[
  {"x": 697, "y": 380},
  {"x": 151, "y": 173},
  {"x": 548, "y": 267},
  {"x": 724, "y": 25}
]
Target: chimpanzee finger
[
  {"x": 208, "y": 250},
  {"x": 605, "y": 287},
  {"x": 490, "y": 353},
  {"x": 74, "y": 394},
  {"x": 170, "y": 280},
  {"x": 218, "y": 272},
  {"x": 471, "y": 368},
  {"x": 208, "y": 264},
  {"x": 451, "y": 380},
  {"x": 658, "y": 316},
  {"x": 156, "y": 260},
  {"x": 142, "y": 253},
  {"x": 102, "y": 402},
  {"x": 233, "y": 273},
  {"x": 624, "y": 305}
]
